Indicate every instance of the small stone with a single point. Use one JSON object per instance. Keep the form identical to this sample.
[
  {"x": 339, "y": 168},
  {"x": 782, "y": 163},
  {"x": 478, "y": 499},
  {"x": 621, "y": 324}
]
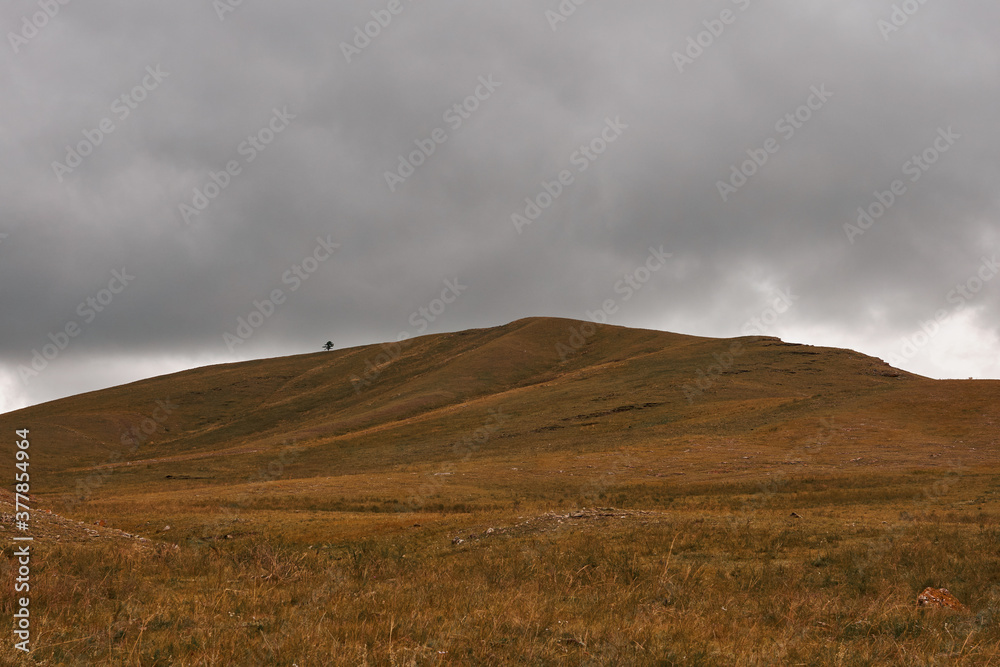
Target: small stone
[
  {"x": 795, "y": 516},
  {"x": 165, "y": 529},
  {"x": 939, "y": 597}
]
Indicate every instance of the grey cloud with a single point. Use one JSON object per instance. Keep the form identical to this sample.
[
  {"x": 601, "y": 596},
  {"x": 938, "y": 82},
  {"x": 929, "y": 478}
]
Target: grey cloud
[{"x": 325, "y": 174}]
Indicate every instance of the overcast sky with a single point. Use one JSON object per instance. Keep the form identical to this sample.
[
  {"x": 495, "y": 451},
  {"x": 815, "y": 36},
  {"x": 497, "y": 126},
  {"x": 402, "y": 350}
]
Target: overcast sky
[{"x": 694, "y": 165}]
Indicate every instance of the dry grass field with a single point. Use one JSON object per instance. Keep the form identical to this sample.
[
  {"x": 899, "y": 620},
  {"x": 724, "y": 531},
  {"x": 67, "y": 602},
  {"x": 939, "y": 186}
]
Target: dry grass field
[{"x": 517, "y": 495}]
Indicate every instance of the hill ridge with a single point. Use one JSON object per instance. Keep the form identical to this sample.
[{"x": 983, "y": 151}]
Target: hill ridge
[{"x": 435, "y": 390}]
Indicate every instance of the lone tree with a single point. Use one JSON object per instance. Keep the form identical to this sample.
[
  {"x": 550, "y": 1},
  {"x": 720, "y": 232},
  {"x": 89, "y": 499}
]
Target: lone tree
[{"x": 328, "y": 345}]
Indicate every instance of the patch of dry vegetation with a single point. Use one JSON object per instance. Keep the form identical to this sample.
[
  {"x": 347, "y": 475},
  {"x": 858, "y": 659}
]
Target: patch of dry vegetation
[
  {"x": 725, "y": 578},
  {"x": 484, "y": 502}
]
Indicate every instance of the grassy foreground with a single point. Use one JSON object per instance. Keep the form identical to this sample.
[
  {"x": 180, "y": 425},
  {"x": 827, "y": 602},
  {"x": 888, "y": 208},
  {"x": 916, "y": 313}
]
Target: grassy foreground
[{"x": 710, "y": 575}]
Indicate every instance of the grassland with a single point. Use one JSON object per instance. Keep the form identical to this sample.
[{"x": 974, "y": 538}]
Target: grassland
[{"x": 480, "y": 499}]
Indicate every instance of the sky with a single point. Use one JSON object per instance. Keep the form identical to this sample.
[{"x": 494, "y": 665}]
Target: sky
[{"x": 190, "y": 183}]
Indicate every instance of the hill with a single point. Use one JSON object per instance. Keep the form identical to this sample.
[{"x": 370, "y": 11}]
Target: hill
[
  {"x": 533, "y": 389},
  {"x": 521, "y": 449}
]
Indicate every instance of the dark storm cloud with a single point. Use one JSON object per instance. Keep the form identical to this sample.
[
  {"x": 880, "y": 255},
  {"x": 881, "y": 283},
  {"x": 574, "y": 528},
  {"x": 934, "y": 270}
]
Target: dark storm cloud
[{"x": 288, "y": 144}]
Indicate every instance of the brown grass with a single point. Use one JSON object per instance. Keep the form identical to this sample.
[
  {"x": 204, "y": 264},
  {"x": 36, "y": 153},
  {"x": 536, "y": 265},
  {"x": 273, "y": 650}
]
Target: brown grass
[
  {"x": 329, "y": 537},
  {"x": 698, "y": 585}
]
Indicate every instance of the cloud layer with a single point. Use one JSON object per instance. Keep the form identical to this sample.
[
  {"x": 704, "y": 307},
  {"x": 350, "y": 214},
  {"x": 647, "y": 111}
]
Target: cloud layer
[{"x": 353, "y": 159}]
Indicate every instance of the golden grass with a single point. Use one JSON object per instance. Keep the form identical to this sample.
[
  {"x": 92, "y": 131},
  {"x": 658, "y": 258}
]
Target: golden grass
[
  {"x": 707, "y": 583},
  {"x": 315, "y": 525}
]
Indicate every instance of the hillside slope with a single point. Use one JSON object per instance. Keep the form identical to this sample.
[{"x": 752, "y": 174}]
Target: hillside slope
[{"x": 540, "y": 392}]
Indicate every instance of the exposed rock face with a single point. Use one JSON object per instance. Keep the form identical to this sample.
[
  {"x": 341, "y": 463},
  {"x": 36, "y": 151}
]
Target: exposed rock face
[{"x": 939, "y": 597}]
